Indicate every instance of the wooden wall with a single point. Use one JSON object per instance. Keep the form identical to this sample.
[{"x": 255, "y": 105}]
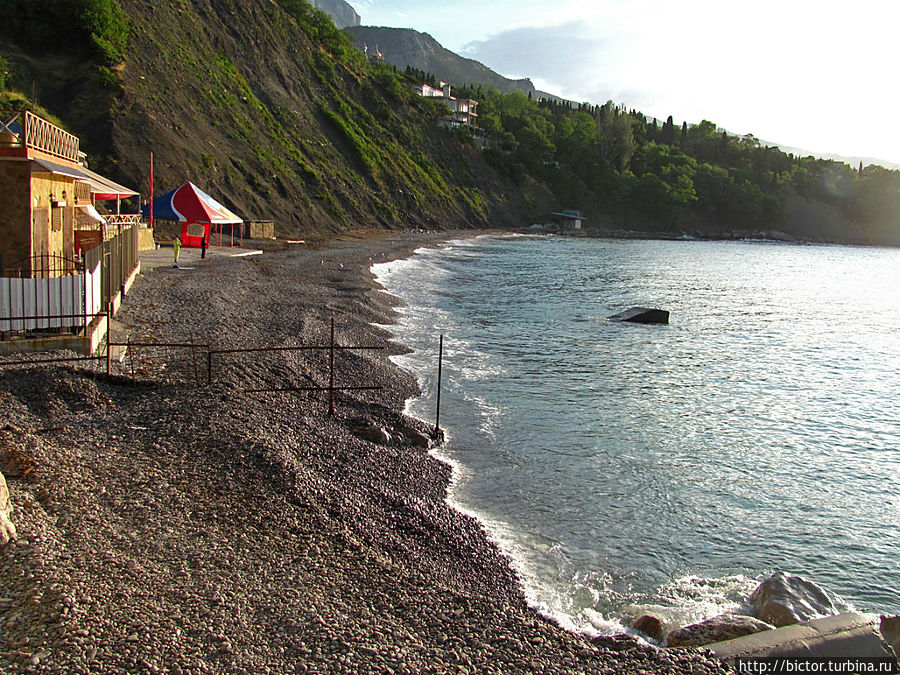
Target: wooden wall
[{"x": 15, "y": 212}]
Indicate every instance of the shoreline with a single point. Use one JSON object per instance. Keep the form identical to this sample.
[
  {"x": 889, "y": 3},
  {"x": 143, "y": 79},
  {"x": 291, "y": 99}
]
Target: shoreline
[{"x": 170, "y": 528}]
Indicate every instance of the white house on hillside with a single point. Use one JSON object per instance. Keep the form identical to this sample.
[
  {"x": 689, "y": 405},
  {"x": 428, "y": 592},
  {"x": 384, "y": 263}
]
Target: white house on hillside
[{"x": 463, "y": 111}]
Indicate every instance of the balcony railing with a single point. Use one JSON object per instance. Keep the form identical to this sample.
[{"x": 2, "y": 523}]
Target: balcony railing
[
  {"x": 23, "y": 129},
  {"x": 117, "y": 223}
]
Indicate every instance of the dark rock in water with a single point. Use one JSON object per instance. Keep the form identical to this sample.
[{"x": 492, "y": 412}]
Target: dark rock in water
[
  {"x": 642, "y": 315},
  {"x": 649, "y": 625},
  {"x": 783, "y": 599},
  {"x": 716, "y": 629}
]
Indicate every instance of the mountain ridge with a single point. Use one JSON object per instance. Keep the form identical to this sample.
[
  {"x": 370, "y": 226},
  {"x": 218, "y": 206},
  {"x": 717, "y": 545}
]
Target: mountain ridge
[
  {"x": 402, "y": 47},
  {"x": 340, "y": 12}
]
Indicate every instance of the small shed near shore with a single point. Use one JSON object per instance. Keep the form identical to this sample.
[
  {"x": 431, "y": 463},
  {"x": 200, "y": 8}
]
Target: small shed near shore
[
  {"x": 569, "y": 219},
  {"x": 259, "y": 229}
]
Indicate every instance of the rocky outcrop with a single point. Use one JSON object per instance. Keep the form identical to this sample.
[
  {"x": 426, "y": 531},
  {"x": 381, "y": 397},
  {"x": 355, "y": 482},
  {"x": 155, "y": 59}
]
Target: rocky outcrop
[
  {"x": 716, "y": 629},
  {"x": 340, "y": 12},
  {"x": 7, "y": 529},
  {"x": 784, "y": 599},
  {"x": 403, "y": 434},
  {"x": 373, "y": 433},
  {"x": 416, "y": 438}
]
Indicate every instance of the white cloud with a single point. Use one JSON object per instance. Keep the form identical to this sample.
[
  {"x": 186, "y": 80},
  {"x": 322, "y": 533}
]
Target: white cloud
[
  {"x": 801, "y": 77},
  {"x": 802, "y": 72}
]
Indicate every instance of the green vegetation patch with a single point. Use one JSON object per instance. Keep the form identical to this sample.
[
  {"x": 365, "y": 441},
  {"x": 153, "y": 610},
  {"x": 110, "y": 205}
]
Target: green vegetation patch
[{"x": 96, "y": 28}]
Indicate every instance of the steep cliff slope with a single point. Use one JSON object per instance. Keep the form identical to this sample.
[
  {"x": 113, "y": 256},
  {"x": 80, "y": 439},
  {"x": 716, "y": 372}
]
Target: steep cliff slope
[
  {"x": 282, "y": 126},
  {"x": 276, "y": 116}
]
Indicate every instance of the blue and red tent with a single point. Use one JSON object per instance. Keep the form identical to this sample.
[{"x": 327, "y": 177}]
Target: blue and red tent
[{"x": 195, "y": 210}]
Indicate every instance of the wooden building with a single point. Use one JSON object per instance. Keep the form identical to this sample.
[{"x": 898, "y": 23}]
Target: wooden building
[{"x": 43, "y": 187}]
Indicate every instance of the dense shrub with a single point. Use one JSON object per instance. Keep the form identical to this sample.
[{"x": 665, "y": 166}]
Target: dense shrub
[
  {"x": 96, "y": 28},
  {"x": 320, "y": 28}
]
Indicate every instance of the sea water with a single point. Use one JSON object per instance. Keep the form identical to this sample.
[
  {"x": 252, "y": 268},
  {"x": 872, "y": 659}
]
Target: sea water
[{"x": 627, "y": 468}]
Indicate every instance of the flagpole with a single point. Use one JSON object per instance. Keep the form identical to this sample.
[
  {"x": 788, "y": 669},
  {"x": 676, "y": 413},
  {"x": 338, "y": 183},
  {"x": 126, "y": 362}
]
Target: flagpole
[{"x": 151, "y": 190}]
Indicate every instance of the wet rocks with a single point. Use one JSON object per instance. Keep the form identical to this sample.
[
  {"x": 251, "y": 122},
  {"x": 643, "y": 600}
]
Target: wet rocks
[
  {"x": 650, "y": 625},
  {"x": 784, "y": 599},
  {"x": 416, "y": 438},
  {"x": 716, "y": 629}
]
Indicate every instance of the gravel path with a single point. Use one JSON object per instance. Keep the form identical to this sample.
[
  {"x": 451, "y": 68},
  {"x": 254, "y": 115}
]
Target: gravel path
[{"x": 166, "y": 527}]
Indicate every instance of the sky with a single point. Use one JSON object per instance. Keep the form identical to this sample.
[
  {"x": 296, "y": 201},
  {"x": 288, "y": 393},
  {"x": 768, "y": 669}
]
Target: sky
[{"x": 819, "y": 75}]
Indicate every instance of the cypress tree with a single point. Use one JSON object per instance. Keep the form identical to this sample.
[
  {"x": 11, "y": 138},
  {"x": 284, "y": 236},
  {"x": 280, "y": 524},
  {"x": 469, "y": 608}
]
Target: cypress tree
[{"x": 668, "y": 132}]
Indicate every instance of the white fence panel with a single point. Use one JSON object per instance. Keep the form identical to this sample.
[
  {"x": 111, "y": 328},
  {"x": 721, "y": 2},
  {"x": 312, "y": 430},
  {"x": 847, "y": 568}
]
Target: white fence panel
[
  {"x": 93, "y": 293},
  {"x": 61, "y": 302}
]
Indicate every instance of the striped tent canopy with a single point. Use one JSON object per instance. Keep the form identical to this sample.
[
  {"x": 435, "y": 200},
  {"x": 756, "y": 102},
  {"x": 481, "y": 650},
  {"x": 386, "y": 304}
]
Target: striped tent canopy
[{"x": 195, "y": 209}]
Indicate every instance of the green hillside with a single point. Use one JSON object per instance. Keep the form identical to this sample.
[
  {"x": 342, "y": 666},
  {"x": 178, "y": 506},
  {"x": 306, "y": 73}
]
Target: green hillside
[
  {"x": 273, "y": 111},
  {"x": 270, "y": 108}
]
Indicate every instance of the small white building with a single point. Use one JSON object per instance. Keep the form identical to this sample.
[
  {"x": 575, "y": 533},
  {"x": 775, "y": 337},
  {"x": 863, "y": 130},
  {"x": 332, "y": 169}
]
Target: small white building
[{"x": 463, "y": 111}]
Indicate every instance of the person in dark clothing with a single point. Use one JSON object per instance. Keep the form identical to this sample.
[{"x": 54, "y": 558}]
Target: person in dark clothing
[{"x": 203, "y": 247}]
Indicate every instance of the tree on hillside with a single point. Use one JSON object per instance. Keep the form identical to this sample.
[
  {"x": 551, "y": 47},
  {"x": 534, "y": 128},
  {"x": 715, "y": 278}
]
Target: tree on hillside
[
  {"x": 616, "y": 134},
  {"x": 667, "y": 135},
  {"x": 575, "y": 137}
]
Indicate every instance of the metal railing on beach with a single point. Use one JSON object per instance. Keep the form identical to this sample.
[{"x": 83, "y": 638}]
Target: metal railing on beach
[{"x": 194, "y": 363}]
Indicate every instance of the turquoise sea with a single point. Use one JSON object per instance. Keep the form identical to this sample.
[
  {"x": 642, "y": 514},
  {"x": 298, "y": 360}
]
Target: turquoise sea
[{"x": 670, "y": 468}]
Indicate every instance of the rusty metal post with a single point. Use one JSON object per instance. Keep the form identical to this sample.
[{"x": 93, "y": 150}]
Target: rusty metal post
[
  {"x": 331, "y": 373},
  {"x": 437, "y": 415},
  {"x": 108, "y": 338}
]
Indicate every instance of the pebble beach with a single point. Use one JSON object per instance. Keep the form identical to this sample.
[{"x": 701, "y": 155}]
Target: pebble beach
[{"x": 172, "y": 523}]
